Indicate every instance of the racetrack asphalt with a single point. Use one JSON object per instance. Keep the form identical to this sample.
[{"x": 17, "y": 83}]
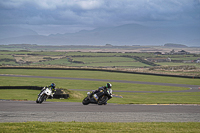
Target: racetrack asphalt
[{"x": 22, "y": 111}]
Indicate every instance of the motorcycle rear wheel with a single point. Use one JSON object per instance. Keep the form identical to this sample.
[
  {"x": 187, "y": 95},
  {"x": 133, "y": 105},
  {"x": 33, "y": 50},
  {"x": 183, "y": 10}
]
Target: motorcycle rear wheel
[{"x": 86, "y": 101}]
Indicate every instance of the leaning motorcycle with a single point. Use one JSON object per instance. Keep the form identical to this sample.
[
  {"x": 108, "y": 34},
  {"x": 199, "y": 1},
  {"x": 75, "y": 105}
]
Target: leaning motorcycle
[
  {"x": 99, "y": 98},
  {"x": 45, "y": 93}
]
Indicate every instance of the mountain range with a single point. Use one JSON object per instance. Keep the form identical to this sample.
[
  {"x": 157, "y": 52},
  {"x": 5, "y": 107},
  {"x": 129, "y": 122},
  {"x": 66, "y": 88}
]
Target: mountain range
[{"x": 129, "y": 34}]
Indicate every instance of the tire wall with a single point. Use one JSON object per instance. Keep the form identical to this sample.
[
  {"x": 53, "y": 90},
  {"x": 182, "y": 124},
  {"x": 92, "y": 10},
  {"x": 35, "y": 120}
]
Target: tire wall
[
  {"x": 57, "y": 95},
  {"x": 21, "y": 87}
]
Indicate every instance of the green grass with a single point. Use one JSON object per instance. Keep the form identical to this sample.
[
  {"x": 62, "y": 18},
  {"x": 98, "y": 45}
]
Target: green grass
[
  {"x": 101, "y": 75},
  {"x": 128, "y": 98},
  {"x": 133, "y": 98},
  {"x": 96, "y": 62},
  {"x": 90, "y": 59},
  {"x": 19, "y": 94},
  {"x": 178, "y": 64},
  {"x": 49, "y": 53},
  {"x": 157, "y": 98},
  {"x": 31, "y": 95},
  {"x": 6, "y": 57},
  {"x": 112, "y": 64},
  {"x": 7, "y": 60},
  {"x": 8, "y": 63},
  {"x": 97, "y": 127},
  {"x": 54, "y": 62},
  {"x": 103, "y": 59}
]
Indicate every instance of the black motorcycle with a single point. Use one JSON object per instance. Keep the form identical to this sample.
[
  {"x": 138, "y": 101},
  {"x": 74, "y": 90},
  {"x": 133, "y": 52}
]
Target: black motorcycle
[{"x": 99, "y": 98}]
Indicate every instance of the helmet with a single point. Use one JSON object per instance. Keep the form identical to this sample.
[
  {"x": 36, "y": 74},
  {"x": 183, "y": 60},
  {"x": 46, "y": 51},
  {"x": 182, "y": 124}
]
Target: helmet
[
  {"x": 53, "y": 85},
  {"x": 108, "y": 85}
]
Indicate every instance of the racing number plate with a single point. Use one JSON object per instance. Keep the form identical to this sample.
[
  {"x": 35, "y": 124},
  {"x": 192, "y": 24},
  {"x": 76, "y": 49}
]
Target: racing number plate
[{"x": 95, "y": 97}]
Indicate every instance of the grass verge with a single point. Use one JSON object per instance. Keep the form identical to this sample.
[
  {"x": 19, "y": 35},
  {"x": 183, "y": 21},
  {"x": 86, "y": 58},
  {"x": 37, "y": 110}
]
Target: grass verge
[{"x": 96, "y": 127}]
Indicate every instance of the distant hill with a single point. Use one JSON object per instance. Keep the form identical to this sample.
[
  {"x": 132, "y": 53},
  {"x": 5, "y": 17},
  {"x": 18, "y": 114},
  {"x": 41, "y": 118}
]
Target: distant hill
[
  {"x": 129, "y": 34},
  {"x": 175, "y": 45},
  {"x": 14, "y": 31}
]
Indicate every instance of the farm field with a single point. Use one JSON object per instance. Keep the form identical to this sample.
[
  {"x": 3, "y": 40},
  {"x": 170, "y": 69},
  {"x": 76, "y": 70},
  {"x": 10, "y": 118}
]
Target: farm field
[
  {"x": 116, "y": 61},
  {"x": 126, "y": 58}
]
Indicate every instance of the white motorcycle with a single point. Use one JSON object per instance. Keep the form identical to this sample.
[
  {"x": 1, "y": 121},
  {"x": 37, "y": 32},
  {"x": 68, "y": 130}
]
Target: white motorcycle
[{"x": 44, "y": 94}]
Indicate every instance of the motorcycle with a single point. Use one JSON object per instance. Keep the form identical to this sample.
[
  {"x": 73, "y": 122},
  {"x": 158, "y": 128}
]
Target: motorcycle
[
  {"x": 44, "y": 94},
  {"x": 99, "y": 98}
]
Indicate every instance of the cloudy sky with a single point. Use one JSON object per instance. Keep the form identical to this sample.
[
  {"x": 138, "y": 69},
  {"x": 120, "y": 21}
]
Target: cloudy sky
[{"x": 67, "y": 16}]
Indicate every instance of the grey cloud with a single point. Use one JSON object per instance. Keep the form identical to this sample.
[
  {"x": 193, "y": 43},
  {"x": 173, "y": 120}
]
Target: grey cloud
[{"x": 96, "y": 13}]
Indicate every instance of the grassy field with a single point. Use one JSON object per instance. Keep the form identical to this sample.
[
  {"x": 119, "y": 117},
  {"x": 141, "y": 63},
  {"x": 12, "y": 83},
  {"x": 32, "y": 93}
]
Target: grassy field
[
  {"x": 126, "y": 61},
  {"x": 101, "y": 75},
  {"x": 89, "y": 58},
  {"x": 128, "y": 98},
  {"x": 97, "y": 127}
]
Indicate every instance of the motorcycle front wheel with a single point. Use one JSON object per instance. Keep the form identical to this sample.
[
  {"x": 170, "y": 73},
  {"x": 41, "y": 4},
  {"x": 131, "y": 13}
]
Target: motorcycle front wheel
[
  {"x": 86, "y": 101},
  {"x": 41, "y": 99},
  {"x": 102, "y": 100}
]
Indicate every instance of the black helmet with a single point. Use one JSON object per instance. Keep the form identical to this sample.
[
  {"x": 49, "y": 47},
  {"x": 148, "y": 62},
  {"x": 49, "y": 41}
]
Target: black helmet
[
  {"x": 108, "y": 85},
  {"x": 53, "y": 85}
]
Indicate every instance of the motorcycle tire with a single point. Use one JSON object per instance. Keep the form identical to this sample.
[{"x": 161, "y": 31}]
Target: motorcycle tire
[
  {"x": 41, "y": 99},
  {"x": 86, "y": 101},
  {"x": 37, "y": 101},
  {"x": 102, "y": 100}
]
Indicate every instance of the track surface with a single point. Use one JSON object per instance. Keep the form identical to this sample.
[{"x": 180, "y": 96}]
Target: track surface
[{"x": 22, "y": 111}]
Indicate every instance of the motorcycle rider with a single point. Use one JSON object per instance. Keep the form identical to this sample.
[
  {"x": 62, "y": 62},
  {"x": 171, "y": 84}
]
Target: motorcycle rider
[
  {"x": 103, "y": 88},
  {"x": 52, "y": 87}
]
